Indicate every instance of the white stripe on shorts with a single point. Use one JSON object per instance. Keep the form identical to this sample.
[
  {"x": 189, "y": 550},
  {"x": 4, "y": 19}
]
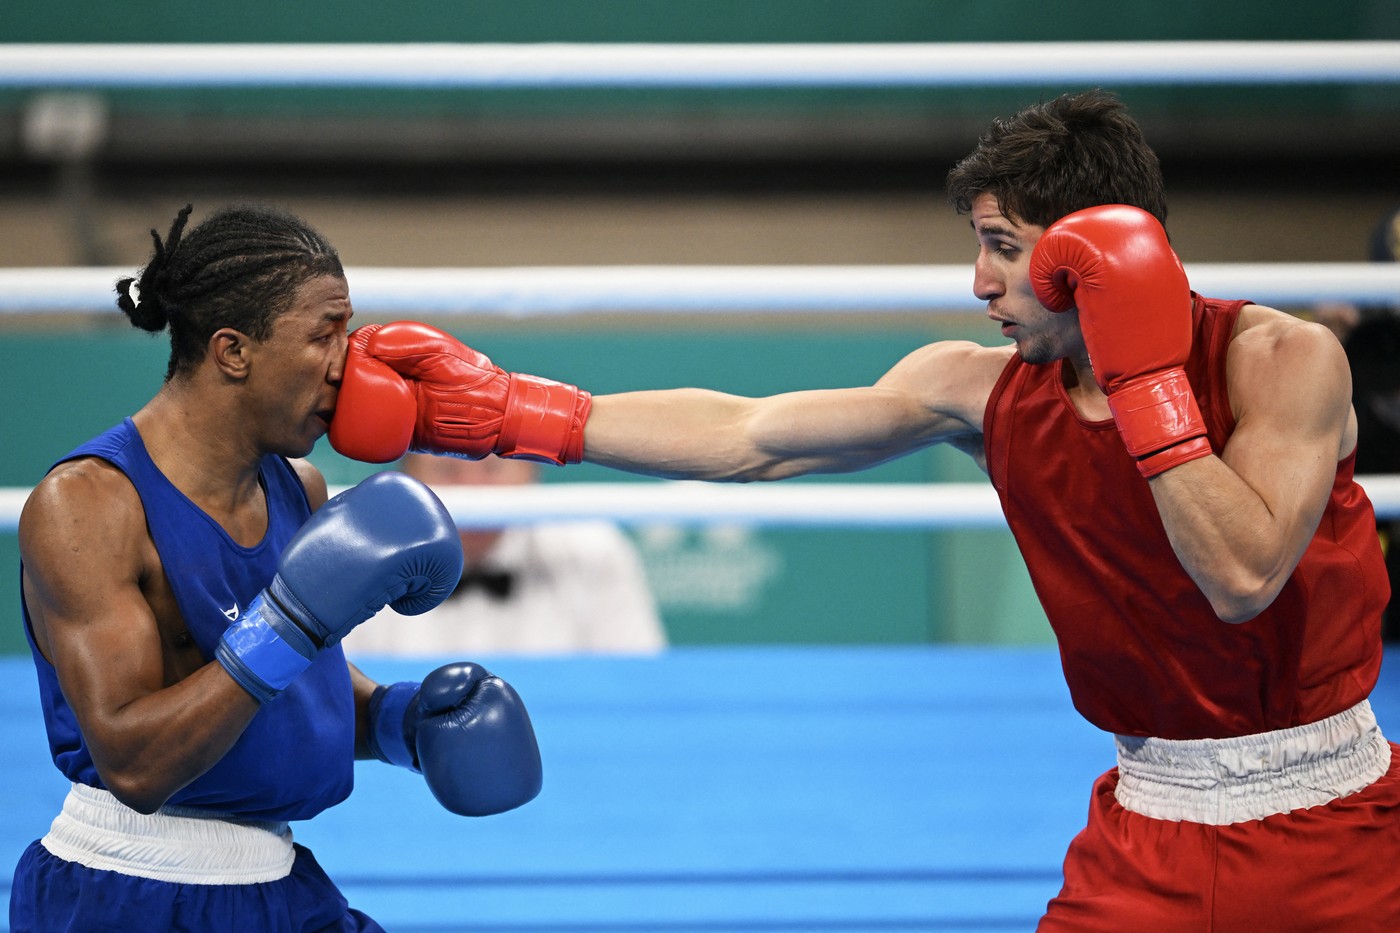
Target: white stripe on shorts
[
  {"x": 176, "y": 844},
  {"x": 1222, "y": 781}
]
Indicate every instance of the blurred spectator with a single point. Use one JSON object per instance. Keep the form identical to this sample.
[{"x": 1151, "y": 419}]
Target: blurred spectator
[
  {"x": 543, "y": 588},
  {"x": 1384, "y": 246},
  {"x": 1373, "y": 348},
  {"x": 1371, "y": 336},
  {"x": 1385, "y": 239}
]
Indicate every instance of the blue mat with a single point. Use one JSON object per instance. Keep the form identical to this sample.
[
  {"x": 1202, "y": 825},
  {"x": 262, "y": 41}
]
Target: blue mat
[{"x": 822, "y": 789}]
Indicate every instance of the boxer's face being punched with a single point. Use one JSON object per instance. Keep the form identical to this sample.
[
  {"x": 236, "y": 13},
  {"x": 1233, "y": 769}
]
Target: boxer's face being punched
[
  {"x": 301, "y": 365},
  {"x": 1001, "y": 278}
]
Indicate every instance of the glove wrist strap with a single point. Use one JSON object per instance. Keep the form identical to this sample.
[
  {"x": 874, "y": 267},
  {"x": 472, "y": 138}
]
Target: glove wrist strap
[
  {"x": 264, "y": 651},
  {"x": 1155, "y": 414},
  {"x": 1164, "y": 460},
  {"x": 388, "y": 734},
  {"x": 543, "y": 420}
]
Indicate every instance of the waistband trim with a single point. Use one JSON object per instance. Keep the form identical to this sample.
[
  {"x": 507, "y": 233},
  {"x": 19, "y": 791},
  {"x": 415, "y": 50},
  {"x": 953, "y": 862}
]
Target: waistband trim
[
  {"x": 176, "y": 844},
  {"x": 1222, "y": 781}
]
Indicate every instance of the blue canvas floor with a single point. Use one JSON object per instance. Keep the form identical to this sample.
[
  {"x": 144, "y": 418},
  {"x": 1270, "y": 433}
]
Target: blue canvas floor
[{"x": 768, "y": 789}]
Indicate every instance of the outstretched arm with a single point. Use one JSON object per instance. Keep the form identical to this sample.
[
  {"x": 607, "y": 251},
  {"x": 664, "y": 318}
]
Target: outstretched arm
[
  {"x": 937, "y": 393},
  {"x": 410, "y": 386}
]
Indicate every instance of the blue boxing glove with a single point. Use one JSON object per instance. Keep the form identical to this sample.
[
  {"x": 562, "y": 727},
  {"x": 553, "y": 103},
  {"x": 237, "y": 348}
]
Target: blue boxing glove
[
  {"x": 386, "y": 541},
  {"x": 466, "y": 731}
]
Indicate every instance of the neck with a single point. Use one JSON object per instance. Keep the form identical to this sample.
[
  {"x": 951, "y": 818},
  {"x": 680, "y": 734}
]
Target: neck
[
  {"x": 188, "y": 435},
  {"x": 1082, "y": 389}
]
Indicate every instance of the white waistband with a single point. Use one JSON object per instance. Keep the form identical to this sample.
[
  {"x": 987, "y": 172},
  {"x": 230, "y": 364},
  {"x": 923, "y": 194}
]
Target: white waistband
[
  {"x": 1220, "y": 781},
  {"x": 176, "y": 844}
]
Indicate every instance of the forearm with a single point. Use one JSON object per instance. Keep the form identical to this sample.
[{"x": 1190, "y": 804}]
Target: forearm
[
  {"x": 678, "y": 434},
  {"x": 699, "y": 434},
  {"x": 363, "y": 688},
  {"x": 1236, "y": 549},
  {"x": 148, "y": 749}
]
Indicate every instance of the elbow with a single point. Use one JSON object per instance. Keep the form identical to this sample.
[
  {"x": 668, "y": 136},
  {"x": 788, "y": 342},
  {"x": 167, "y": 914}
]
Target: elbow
[
  {"x": 133, "y": 791},
  {"x": 1235, "y": 612},
  {"x": 752, "y": 475},
  {"x": 753, "y": 470},
  {"x": 1242, "y": 601}
]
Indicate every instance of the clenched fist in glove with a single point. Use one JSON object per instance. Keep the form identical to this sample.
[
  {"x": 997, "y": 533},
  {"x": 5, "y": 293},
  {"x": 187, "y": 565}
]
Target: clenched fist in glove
[
  {"x": 386, "y": 541},
  {"x": 467, "y": 731},
  {"x": 1113, "y": 263},
  {"x": 409, "y": 386}
]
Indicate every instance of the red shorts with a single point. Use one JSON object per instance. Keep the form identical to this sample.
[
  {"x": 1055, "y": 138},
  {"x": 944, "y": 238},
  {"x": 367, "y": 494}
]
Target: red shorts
[{"x": 1333, "y": 868}]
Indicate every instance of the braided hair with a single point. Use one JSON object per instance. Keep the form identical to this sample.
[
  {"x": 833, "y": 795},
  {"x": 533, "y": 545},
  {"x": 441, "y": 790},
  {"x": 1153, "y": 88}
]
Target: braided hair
[{"x": 240, "y": 268}]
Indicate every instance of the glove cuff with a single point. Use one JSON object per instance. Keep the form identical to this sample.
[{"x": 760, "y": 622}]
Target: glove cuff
[
  {"x": 1164, "y": 460},
  {"x": 264, "y": 651},
  {"x": 543, "y": 420},
  {"x": 390, "y": 730},
  {"x": 1155, "y": 412}
]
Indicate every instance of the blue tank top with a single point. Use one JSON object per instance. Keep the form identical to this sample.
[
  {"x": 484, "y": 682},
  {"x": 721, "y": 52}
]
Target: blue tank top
[{"x": 296, "y": 757}]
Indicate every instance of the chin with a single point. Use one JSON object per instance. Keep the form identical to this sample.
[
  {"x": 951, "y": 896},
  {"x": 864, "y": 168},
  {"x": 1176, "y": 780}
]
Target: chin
[
  {"x": 297, "y": 450},
  {"x": 1035, "y": 356}
]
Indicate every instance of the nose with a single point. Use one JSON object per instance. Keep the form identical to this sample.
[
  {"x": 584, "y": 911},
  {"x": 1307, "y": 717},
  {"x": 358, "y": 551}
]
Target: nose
[
  {"x": 986, "y": 283},
  {"x": 336, "y": 373}
]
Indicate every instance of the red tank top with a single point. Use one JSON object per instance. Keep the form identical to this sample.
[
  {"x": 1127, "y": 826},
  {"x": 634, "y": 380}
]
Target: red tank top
[{"x": 1143, "y": 652}]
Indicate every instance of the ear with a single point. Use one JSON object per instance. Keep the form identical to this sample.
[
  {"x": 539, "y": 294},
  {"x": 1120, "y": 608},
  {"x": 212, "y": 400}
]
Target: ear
[{"x": 229, "y": 352}]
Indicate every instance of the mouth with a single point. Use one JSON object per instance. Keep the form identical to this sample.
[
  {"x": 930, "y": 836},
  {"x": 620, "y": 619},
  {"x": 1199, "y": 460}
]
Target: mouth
[
  {"x": 325, "y": 414},
  {"x": 1007, "y": 327}
]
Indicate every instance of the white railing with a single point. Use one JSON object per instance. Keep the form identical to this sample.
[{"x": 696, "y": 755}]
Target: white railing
[
  {"x": 442, "y": 65},
  {"x": 545, "y": 290},
  {"x": 786, "y": 505}
]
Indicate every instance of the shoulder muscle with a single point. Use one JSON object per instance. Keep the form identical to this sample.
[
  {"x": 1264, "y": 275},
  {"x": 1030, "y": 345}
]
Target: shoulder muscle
[
  {"x": 313, "y": 481},
  {"x": 952, "y": 377}
]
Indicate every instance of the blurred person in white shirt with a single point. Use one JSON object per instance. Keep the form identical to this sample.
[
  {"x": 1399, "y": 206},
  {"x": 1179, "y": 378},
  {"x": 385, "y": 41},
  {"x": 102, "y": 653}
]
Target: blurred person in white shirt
[{"x": 549, "y": 588}]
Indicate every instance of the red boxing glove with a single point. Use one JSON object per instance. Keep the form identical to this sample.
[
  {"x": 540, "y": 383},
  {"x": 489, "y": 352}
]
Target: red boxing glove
[
  {"x": 463, "y": 404},
  {"x": 1113, "y": 263},
  {"x": 376, "y": 408}
]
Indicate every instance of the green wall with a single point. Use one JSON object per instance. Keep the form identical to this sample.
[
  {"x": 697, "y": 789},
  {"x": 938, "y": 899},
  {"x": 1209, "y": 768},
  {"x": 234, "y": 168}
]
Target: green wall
[
  {"x": 681, "y": 20},
  {"x": 724, "y": 585}
]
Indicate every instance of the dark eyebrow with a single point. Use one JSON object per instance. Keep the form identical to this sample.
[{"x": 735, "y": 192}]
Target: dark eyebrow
[{"x": 992, "y": 228}]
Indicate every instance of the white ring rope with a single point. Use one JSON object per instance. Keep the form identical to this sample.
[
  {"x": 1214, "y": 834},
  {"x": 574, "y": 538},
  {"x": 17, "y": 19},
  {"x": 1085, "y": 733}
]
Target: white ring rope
[
  {"x": 891, "y": 506},
  {"x": 434, "y": 65},
  {"x": 555, "y": 290}
]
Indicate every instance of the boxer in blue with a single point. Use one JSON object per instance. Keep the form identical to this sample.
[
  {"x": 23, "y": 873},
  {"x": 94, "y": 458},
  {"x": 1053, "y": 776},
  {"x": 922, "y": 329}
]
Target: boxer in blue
[{"x": 186, "y": 585}]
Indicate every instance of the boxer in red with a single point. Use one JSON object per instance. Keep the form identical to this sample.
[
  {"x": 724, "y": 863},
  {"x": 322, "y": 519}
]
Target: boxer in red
[{"x": 1177, "y": 472}]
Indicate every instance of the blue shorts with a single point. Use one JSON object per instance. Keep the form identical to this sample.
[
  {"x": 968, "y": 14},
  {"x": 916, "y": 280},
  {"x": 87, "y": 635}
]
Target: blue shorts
[{"x": 51, "y": 894}]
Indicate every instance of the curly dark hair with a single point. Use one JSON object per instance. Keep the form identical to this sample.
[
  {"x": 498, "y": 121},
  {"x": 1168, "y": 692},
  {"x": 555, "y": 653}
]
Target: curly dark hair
[
  {"x": 1057, "y": 157},
  {"x": 240, "y": 268}
]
